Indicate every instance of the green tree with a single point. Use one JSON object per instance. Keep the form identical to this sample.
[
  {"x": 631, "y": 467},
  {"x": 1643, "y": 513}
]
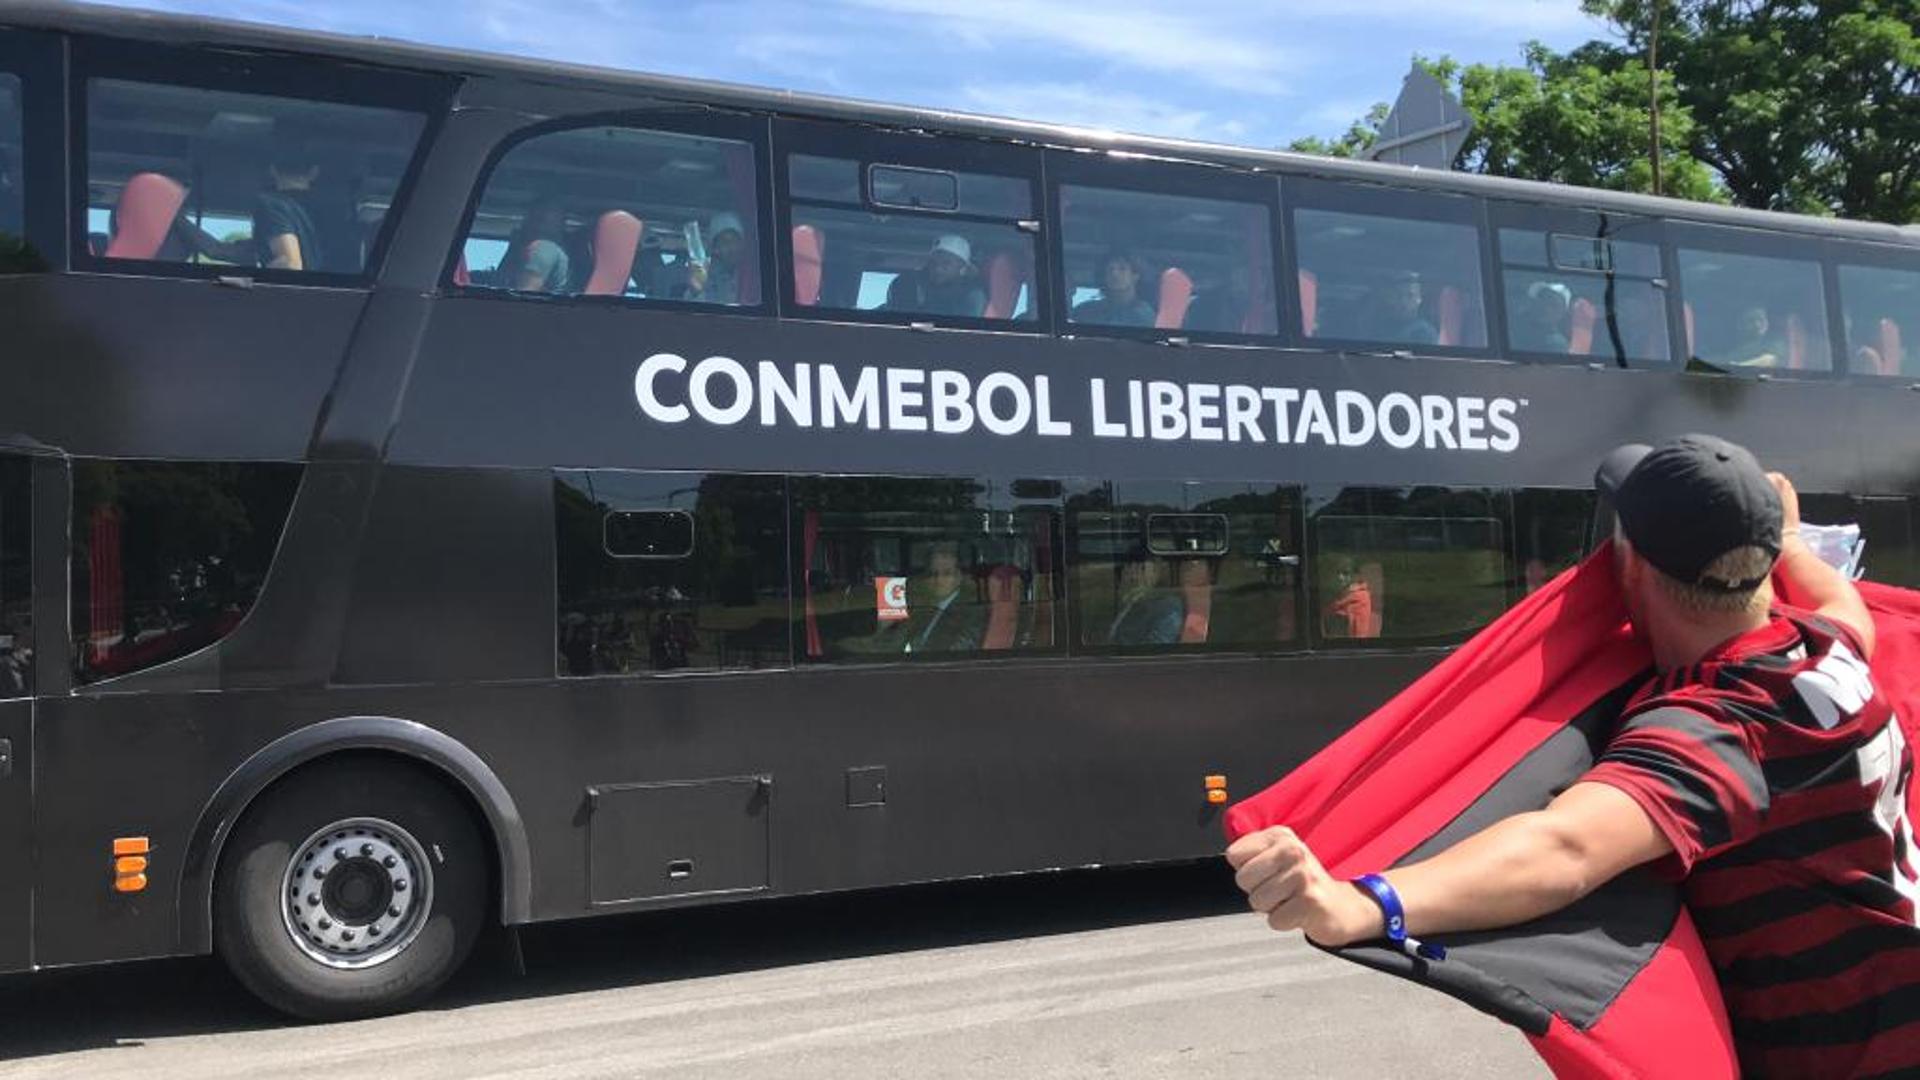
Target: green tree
[
  {"x": 1578, "y": 118},
  {"x": 1358, "y": 137},
  {"x": 1807, "y": 105}
]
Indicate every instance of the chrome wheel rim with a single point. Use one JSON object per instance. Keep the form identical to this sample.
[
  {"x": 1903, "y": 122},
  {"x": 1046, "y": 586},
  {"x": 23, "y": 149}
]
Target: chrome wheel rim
[{"x": 357, "y": 893}]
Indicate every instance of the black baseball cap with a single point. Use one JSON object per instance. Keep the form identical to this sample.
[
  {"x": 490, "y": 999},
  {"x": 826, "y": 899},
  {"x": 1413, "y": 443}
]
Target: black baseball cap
[{"x": 1689, "y": 501}]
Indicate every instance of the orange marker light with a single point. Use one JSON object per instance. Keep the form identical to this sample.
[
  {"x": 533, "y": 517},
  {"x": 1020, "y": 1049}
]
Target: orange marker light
[
  {"x": 1216, "y": 796},
  {"x": 1216, "y": 783},
  {"x": 130, "y": 863}
]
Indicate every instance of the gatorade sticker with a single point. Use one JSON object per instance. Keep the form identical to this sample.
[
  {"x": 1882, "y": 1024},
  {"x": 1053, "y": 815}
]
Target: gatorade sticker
[{"x": 890, "y": 598}]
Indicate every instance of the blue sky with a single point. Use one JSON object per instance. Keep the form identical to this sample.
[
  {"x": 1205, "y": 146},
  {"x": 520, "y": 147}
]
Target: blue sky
[{"x": 1252, "y": 72}]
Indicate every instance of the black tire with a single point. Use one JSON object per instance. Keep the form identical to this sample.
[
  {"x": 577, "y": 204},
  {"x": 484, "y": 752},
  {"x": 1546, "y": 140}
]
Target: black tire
[{"x": 250, "y": 927}]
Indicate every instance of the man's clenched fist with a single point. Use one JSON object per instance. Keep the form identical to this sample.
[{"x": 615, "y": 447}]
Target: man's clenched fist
[{"x": 1286, "y": 883}]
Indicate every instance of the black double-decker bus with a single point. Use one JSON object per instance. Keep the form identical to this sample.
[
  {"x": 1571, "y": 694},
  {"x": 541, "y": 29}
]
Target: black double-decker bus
[{"x": 441, "y": 491}]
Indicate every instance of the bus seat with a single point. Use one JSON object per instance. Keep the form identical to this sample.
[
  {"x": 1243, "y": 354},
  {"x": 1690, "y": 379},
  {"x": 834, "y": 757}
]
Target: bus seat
[
  {"x": 1796, "y": 344},
  {"x": 1375, "y": 578},
  {"x": 461, "y": 276},
  {"x": 1581, "y": 317},
  {"x": 1309, "y": 303},
  {"x": 1196, "y": 592},
  {"x": 1686, "y": 313},
  {"x": 1176, "y": 294},
  {"x": 809, "y": 254},
  {"x": 1005, "y": 276},
  {"x": 148, "y": 206},
  {"x": 616, "y": 240},
  {"x": 1450, "y": 310},
  {"x": 1892, "y": 355},
  {"x": 1003, "y": 608}
]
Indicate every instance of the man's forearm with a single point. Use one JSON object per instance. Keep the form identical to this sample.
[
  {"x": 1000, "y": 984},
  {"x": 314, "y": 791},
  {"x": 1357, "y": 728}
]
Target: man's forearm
[
  {"x": 1519, "y": 869},
  {"x": 1804, "y": 580}
]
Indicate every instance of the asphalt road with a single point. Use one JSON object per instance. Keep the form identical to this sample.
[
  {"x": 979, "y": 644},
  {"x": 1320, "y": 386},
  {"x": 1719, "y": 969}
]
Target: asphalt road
[{"x": 1118, "y": 973}]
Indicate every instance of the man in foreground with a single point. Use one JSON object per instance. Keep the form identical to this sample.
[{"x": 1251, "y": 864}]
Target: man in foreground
[{"x": 1760, "y": 768}]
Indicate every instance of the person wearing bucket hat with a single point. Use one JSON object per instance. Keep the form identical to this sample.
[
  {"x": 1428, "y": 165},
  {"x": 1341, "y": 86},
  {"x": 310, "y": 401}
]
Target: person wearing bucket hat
[
  {"x": 946, "y": 284},
  {"x": 1758, "y": 767}
]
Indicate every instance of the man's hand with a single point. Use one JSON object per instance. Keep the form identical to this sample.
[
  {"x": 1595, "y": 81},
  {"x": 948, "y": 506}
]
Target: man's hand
[
  {"x": 1286, "y": 883},
  {"x": 1789, "y": 503}
]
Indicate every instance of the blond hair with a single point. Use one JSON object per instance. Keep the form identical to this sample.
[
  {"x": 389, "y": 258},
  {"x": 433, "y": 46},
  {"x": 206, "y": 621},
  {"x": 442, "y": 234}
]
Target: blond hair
[{"x": 1740, "y": 564}]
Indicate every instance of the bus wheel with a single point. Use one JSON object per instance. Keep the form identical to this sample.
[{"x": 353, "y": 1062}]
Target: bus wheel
[{"x": 351, "y": 888}]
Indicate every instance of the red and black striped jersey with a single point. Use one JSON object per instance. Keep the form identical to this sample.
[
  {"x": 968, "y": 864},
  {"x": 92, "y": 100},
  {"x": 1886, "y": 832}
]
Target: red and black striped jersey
[{"x": 1780, "y": 777}]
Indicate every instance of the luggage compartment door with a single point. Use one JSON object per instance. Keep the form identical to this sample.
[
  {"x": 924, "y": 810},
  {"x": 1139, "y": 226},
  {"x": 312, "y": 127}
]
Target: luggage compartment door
[{"x": 679, "y": 838}]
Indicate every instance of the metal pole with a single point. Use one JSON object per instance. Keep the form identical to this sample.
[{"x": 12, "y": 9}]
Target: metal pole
[{"x": 1653, "y": 91}]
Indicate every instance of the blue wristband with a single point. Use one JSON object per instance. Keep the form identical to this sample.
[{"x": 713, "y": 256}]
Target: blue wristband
[{"x": 1396, "y": 917}]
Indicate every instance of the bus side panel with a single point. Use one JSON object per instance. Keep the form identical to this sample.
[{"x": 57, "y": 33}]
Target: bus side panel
[
  {"x": 16, "y": 834},
  {"x": 992, "y": 768},
  {"x": 146, "y": 368}
]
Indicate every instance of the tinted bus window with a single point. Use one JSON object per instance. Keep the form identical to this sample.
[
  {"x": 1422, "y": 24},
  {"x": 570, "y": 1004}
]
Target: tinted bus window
[
  {"x": 1420, "y": 566},
  {"x": 168, "y": 557},
  {"x": 183, "y": 175},
  {"x": 872, "y": 240},
  {"x": 1377, "y": 267},
  {"x": 1192, "y": 566},
  {"x": 1173, "y": 262},
  {"x": 1552, "y": 530},
  {"x": 901, "y": 569},
  {"x": 1747, "y": 312},
  {"x": 1583, "y": 297},
  {"x": 12, "y": 178},
  {"x": 664, "y": 572},
  {"x": 1881, "y": 311},
  {"x": 614, "y": 211},
  {"x": 16, "y": 577}
]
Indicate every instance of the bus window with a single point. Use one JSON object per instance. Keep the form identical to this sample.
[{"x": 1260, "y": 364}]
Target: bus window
[
  {"x": 12, "y": 182},
  {"x": 1748, "y": 312},
  {"x": 869, "y": 240},
  {"x": 662, "y": 572},
  {"x": 617, "y": 211},
  {"x": 1171, "y": 262},
  {"x": 168, "y": 557},
  {"x": 1583, "y": 297},
  {"x": 1199, "y": 565},
  {"x": 1551, "y": 532},
  {"x": 898, "y": 569},
  {"x": 1396, "y": 270},
  {"x": 1424, "y": 566},
  {"x": 1881, "y": 310},
  {"x": 184, "y": 175}
]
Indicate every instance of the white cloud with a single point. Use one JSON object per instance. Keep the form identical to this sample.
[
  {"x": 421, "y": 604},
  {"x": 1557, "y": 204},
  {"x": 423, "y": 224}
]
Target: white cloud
[
  {"x": 1221, "y": 49},
  {"x": 1102, "y": 109}
]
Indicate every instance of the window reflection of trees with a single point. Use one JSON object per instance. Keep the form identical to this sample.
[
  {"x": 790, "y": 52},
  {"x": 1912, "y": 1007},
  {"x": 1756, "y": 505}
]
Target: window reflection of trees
[{"x": 168, "y": 557}]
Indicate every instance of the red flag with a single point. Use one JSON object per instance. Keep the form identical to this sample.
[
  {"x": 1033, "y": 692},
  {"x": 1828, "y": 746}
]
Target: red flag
[{"x": 1618, "y": 984}]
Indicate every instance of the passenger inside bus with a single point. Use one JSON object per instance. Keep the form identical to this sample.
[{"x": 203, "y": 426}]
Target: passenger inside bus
[
  {"x": 940, "y": 618},
  {"x": 1743, "y": 311},
  {"x": 717, "y": 279},
  {"x": 1394, "y": 311},
  {"x": 284, "y": 233},
  {"x": 536, "y": 259},
  {"x": 1119, "y": 302},
  {"x": 946, "y": 283},
  {"x": 1544, "y": 321},
  {"x": 1754, "y": 344}
]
